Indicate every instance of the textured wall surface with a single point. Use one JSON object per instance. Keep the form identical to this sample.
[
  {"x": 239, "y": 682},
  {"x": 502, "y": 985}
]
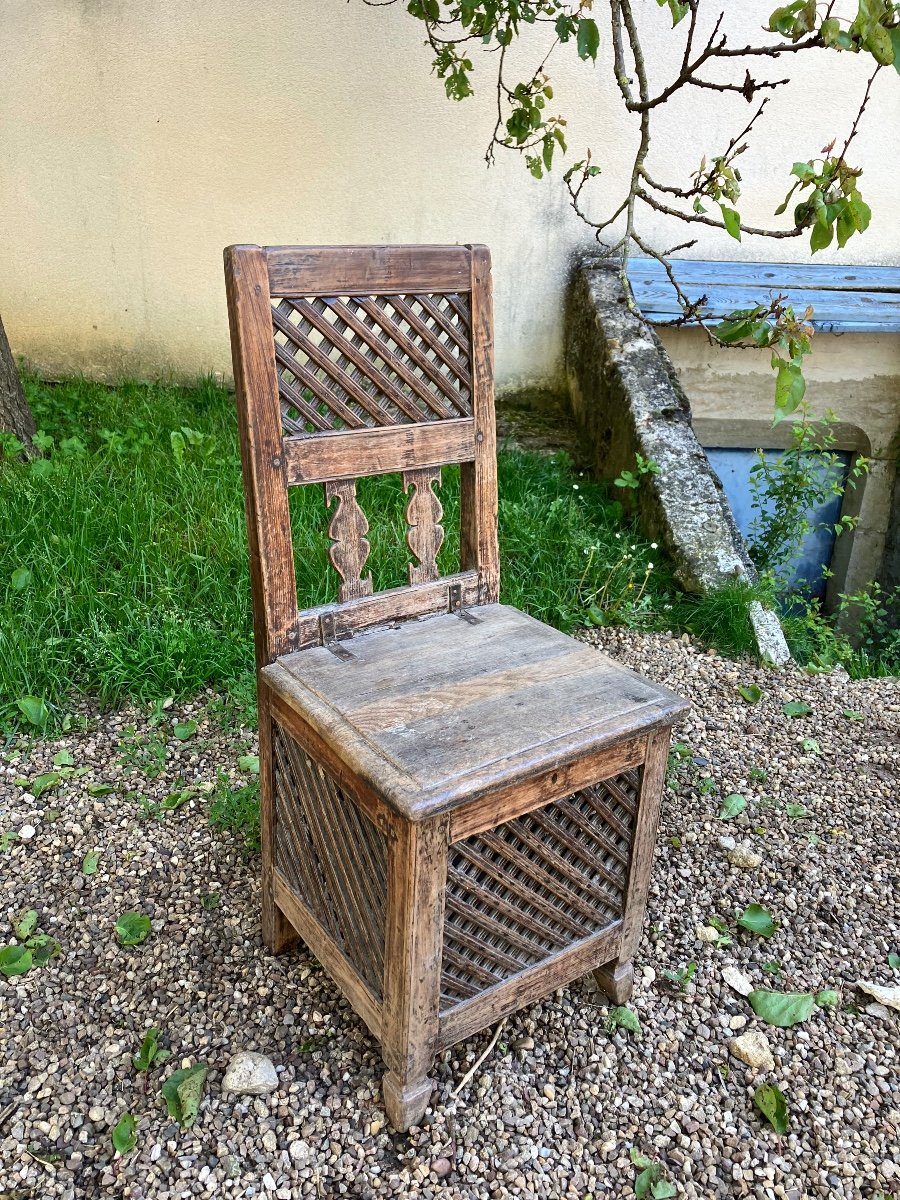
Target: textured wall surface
[{"x": 139, "y": 139}]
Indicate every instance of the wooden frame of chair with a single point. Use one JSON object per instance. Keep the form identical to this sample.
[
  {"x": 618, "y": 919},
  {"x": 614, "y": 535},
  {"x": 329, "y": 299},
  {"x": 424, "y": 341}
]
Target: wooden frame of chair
[{"x": 378, "y": 360}]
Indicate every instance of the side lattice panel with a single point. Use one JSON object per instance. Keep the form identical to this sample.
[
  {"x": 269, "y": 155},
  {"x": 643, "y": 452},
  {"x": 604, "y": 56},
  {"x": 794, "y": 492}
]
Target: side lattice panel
[
  {"x": 332, "y": 856},
  {"x": 520, "y": 893},
  {"x": 351, "y": 362}
]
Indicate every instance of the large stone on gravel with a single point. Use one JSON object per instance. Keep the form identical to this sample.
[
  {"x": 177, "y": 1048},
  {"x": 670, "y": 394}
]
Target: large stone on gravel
[
  {"x": 250, "y": 1074},
  {"x": 753, "y": 1049},
  {"x": 737, "y": 980},
  {"x": 744, "y": 856}
]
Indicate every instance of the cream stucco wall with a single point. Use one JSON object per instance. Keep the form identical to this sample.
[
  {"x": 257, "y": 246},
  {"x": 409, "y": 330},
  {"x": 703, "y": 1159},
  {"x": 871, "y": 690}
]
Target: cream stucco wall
[{"x": 137, "y": 139}]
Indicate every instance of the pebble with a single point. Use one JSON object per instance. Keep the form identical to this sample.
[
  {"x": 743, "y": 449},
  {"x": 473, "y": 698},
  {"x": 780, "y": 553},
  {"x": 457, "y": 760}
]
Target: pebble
[
  {"x": 27, "y": 832},
  {"x": 744, "y": 856},
  {"x": 250, "y": 1074},
  {"x": 442, "y": 1167},
  {"x": 753, "y": 1049},
  {"x": 737, "y": 981}
]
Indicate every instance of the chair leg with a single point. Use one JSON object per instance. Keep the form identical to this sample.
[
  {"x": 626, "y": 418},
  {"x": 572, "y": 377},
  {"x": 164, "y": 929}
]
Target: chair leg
[
  {"x": 417, "y": 874},
  {"x": 277, "y": 932},
  {"x": 616, "y": 980}
]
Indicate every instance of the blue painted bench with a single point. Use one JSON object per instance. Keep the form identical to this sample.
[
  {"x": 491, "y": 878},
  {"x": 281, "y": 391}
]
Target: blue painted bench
[{"x": 844, "y": 299}]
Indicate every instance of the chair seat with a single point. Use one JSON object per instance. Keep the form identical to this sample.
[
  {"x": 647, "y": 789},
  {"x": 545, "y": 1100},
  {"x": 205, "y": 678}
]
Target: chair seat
[{"x": 438, "y": 711}]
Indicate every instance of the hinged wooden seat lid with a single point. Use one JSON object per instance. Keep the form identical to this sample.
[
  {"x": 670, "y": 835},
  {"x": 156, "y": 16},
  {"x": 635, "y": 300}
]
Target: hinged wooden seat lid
[{"x": 439, "y": 711}]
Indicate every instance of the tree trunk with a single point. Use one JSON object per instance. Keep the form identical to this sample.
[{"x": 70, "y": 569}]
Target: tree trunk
[{"x": 15, "y": 415}]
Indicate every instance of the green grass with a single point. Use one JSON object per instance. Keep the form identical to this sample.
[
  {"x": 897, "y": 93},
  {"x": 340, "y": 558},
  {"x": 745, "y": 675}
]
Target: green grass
[{"x": 125, "y": 553}]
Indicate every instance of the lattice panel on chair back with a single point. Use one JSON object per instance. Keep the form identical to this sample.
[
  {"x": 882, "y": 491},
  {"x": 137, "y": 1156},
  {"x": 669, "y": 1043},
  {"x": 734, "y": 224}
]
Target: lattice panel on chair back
[
  {"x": 332, "y": 856},
  {"x": 352, "y": 362},
  {"x": 529, "y": 888}
]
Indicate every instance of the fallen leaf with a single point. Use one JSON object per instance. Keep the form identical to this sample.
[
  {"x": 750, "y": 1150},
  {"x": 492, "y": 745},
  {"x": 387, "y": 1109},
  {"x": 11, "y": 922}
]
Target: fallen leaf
[
  {"x": 758, "y": 920},
  {"x": 795, "y": 708},
  {"x": 183, "y": 1091},
  {"x": 184, "y": 730},
  {"x": 43, "y": 783},
  {"x": 751, "y": 692},
  {"x": 249, "y": 762},
  {"x": 782, "y": 1009},
  {"x": 623, "y": 1018},
  {"x": 731, "y": 806},
  {"x": 771, "y": 1103},
  {"x": 25, "y": 925},
  {"x": 827, "y": 998},
  {"x": 124, "y": 1135},
  {"x": 14, "y": 960},
  {"x": 91, "y": 859},
  {"x": 132, "y": 928}
]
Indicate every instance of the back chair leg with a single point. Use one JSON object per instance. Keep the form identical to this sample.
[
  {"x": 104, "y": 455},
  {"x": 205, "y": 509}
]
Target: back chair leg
[
  {"x": 417, "y": 871},
  {"x": 277, "y": 932},
  {"x": 616, "y": 980}
]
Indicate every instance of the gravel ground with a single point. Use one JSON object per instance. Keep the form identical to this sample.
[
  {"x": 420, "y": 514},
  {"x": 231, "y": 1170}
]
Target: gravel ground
[{"x": 559, "y": 1103}]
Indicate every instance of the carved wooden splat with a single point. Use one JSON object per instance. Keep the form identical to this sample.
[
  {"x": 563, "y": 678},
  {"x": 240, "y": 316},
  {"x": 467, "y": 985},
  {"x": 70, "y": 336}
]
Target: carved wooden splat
[
  {"x": 349, "y": 548},
  {"x": 423, "y": 513}
]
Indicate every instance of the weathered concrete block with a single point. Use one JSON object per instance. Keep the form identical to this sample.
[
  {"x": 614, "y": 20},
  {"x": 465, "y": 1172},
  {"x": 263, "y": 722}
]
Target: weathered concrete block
[{"x": 627, "y": 399}]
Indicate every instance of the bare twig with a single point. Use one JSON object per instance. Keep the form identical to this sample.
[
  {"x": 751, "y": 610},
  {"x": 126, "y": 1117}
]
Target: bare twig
[{"x": 470, "y": 1074}]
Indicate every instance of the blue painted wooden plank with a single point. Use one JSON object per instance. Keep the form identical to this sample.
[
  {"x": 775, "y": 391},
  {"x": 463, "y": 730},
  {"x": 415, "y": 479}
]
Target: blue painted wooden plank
[
  {"x": 838, "y": 310},
  {"x": 818, "y": 276}
]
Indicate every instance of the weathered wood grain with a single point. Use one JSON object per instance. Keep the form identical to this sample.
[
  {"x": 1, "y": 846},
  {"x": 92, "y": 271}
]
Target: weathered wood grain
[
  {"x": 350, "y": 454},
  {"x": 425, "y": 534},
  {"x": 366, "y": 270}
]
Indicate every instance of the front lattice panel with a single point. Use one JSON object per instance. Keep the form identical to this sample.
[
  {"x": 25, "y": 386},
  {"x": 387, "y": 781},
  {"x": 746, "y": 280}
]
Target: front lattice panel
[
  {"x": 332, "y": 856},
  {"x": 531, "y": 887},
  {"x": 351, "y": 362}
]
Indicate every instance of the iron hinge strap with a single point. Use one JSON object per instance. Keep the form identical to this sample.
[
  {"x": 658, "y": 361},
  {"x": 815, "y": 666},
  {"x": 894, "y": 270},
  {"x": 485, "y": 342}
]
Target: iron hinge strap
[
  {"x": 457, "y": 606},
  {"x": 328, "y": 631}
]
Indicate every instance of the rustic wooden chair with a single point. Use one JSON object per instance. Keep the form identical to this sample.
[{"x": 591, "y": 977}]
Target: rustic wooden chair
[{"x": 459, "y": 804}]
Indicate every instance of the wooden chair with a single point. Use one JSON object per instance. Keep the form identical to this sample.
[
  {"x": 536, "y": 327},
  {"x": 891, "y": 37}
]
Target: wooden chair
[{"x": 459, "y": 804}]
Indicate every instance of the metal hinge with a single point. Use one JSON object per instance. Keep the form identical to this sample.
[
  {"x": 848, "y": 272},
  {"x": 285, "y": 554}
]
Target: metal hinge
[
  {"x": 328, "y": 630},
  {"x": 456, "y": 605}
]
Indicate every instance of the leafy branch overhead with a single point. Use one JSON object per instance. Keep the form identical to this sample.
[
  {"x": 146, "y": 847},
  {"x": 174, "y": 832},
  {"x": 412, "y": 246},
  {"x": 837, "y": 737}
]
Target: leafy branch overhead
[{"x": 823, "y": 200}]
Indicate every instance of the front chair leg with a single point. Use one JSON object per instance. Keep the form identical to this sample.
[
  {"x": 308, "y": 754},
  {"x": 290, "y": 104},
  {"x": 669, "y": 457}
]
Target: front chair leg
[
  {"x": 616, "y": 980},
  {"x": 417, "y": 874}
]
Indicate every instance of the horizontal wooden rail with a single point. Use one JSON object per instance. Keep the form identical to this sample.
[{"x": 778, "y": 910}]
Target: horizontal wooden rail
[
  {"x": 367, "y": 270},
  {"x": 351, "y": 453},
  {"x": 396, "y": 604}
]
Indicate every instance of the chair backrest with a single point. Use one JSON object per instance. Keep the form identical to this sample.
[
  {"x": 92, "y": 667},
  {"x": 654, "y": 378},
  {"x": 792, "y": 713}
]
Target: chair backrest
[{"x": 352, "y": 361}]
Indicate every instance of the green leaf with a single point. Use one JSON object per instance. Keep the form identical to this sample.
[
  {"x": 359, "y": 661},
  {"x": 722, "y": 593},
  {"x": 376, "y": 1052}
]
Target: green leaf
[
  {"x": 124, "y": 1135},
  {"x": 821, "y": 236},
  {"x": 63, "y": 758},
  {"x": 183, "y": 1091},
  {"x": 663, "y": 1189},
  {"x": 25, "y": 925},
  {"x": 894, "y": 961},
  {"x": 797, "y": 811},
  {"x": 732, "y": 220},
  {"x": 91, "y": 859},
  {"x": 588, "y": 40},
  {"x": 14, "y": 960},
  {"x": 43, "y": 948},
  {"x": 879, "y": 42},
  {"x": 640, "y": 1160},
  {"x": 796, "y": 708},
  {"x": 828, "y": 998},
  {"x": 771, "y": 1103},
  {"x": 210, "y": 900},
  {"x": 185, "y": 730},
  {"x": 731, "y": 806},
  {"x": 782, "y": 1009},
  {"x": 20, "y": 579},
  {"x": 895, "y": 40},
  {"x": 852, "y": 715},
  {"x": 43, "y": 783},
  {"x": 149, "y": 1052},
  {"x": 250, "y": 763},
  {"x": 623, "y": 1018},
  {"x": 132, "y": 928},
  {"x": 758, "y": 920},
  {"x": 810, "y": 746},
  {"x": 751, "y": 692},
  {"x": 100, "y": 789},
  {"x": 772, "y": 967},
  {"x": 34, "y": 710},
  {"x": 790, "y": 387}
]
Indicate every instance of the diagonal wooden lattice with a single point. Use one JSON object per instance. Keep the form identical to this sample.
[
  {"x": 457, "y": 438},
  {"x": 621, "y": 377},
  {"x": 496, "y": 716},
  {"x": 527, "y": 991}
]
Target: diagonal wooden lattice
[
  {"x": 521, "y": 892},
  {"x": 332, "y": 856},
  {"x": 351, "y": 362}
]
